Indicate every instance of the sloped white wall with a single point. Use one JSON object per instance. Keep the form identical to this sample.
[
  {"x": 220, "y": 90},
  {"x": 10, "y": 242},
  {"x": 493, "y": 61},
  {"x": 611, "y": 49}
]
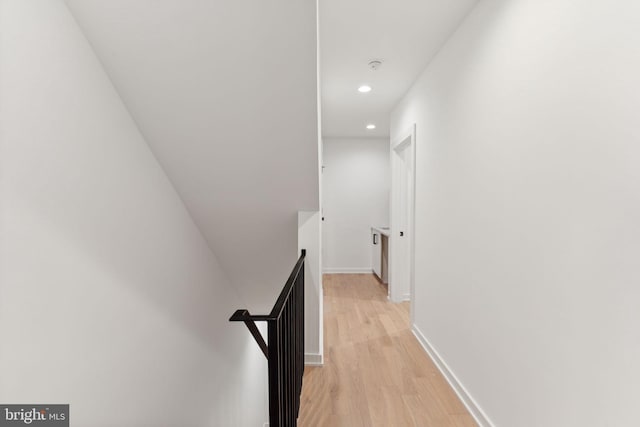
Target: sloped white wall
[
  {"x": 225, "y": 92},
  {"x": 110, "y": 298},
  {"x": 527, "y": 207}
]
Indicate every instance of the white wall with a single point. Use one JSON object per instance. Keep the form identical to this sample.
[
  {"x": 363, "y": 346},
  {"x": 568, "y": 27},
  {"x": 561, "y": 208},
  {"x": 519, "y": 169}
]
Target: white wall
[
  {"x": 309, "y": 239},
  {"x": 527, "y": 231},
  {"x": 110, "y": 298},
  {"x": 356, "y": 185}
]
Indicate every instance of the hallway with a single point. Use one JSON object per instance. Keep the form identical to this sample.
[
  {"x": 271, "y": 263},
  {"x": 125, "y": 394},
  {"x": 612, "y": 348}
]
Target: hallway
[{"x": 375, "y": 372}]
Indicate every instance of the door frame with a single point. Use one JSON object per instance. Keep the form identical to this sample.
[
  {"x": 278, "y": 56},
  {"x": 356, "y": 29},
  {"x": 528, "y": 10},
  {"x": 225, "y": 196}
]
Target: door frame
[{"x": 398, "y": 293}]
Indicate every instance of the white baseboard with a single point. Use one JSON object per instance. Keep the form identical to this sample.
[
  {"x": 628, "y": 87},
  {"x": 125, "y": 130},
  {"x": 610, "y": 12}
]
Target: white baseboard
[
  {"x": 472, "y": 406},
  {"x": 403, "y": 298},
  {"x": 313, "y": 359},
  {"x": 266, "y": 424},
  {"x": 330, "y": 270}
]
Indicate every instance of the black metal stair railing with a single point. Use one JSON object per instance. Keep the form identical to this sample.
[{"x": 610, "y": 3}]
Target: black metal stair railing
[{"x": 284, "y": 348}]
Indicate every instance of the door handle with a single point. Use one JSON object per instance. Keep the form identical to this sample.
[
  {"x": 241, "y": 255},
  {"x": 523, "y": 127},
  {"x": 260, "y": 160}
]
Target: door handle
[
  {"x": 375, "y": 240},
  {"x": 401, "y": 233}
]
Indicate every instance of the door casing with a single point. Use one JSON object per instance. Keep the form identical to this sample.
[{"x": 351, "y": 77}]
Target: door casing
[{"x": 402, "y": 214}]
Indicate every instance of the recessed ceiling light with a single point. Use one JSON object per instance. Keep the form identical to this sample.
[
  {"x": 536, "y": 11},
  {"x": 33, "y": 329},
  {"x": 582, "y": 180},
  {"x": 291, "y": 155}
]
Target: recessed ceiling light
[
  {"x": 364, "y": 89},
  {"x": 371, "y": 126}
]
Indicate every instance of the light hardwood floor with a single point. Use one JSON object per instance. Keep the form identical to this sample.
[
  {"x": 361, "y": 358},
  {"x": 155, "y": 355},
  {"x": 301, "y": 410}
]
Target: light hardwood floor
[{"x": 375, "y": 372}]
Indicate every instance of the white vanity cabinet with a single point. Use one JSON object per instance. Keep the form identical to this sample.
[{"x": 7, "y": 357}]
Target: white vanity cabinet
[
  {"x": 376, "y": 252},
  {"x": 379, "y": 252}
]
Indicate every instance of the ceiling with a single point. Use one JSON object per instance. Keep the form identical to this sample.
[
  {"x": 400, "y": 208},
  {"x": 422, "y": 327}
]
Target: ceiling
[
  {"x": 404, "y": 34},
  {"x": 225, "y": 93}
]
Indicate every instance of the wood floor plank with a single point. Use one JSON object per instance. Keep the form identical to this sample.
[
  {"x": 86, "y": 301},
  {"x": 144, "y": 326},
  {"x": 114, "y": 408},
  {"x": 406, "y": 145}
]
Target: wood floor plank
[{"x": 375, "y": 373}]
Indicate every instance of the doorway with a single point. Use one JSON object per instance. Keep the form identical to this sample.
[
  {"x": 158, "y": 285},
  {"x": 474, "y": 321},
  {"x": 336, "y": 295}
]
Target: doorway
[{"x": 401, "y": 243}]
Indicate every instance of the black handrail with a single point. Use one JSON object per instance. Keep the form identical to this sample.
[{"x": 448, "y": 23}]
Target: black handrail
[{"x": 285, "y": 348}]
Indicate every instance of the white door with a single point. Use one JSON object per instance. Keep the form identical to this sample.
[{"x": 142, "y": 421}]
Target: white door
[{"x": 401, "y": 239}]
